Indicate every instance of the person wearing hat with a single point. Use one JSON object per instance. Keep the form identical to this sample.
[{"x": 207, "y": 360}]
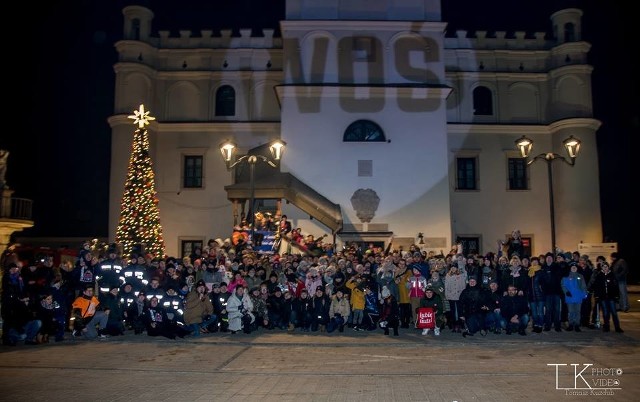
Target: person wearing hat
[
  {"x": 356, "y": 285},
  {"x": 289, "y": 309},
  {"x": 219, "y": 296},
  {"x": 552, "y": 285},
  {"x": 111, "y": 303},
  {"x": 606, "y": 292},
  {"x": 313, "y": 280},
  {"x": 259, "y": 296},
  {"x": 474, "y": 302},
  {"x": 136, "y": 274},
  {"x": 487, "y": 272},
  {"x": 338, "y": 312},
  {"x": 109, "y": 270},
  {"x": 251, "y": 279},
  {"x": 127, "y": 296},
  {"x": 239, "y": 307},
  {"x": 34, "y": 277},
  {"x": 321, "y": 306},
  {"x": 493, "y": 319},
  {"x": 198, "y": 310},
  {"x": 304, "y": 311},
  {"x": 157, "y": 322},
  {"x": 276, "y": 309},
  {"x": 416, "y": 285},
  {"x": 433, "y": 300},
  {"x": 574, "y": 287},
  {"x": 87, "y": 314},
  {"x": 18, "y": 322},
  {"x": 174, "y": 305},
  {"x": 133, "y": 314},
  {"x": 371, "y": 307},
  {"x": 536, "y": 294},
  {"x": 389, "y": 314}
]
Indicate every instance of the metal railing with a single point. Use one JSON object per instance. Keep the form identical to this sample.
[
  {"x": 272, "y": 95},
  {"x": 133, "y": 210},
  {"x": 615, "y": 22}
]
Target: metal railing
[{"x": 16, "y": 208}]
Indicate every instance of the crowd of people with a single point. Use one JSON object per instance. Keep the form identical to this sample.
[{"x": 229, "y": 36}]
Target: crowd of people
[{"x": 225, "y": 289}]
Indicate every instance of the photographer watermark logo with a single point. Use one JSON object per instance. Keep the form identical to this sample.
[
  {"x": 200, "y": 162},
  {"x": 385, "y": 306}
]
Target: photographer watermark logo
[{"x": 585, "y": 379}]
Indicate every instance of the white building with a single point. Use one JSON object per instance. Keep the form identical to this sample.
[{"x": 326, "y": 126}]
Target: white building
[{"x": 392, "y": 129}]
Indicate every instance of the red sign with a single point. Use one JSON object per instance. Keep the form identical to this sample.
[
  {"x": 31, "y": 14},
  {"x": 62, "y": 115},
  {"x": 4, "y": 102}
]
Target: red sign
[{"x": 426, "y": 318}]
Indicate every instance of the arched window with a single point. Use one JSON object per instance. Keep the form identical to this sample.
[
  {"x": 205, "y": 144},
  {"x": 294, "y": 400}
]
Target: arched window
[
  {"x": 482, "y": 101},
  {"x": 363, "y": 130},
  {"x": 569, "y": 32},
  {"x": 226, "y": 101}
]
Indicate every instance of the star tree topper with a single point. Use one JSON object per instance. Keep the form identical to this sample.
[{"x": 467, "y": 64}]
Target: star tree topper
[{"x": 141, "y": 117}]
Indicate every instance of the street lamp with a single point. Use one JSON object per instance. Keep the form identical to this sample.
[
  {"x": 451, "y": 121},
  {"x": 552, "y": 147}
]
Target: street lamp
[
  {"x": 572, "y": 146},
  {"x": 228, "y": 150}
]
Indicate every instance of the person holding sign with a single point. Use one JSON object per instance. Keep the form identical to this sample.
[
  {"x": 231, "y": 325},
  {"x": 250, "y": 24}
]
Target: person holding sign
[{"x": 433, "y": 301}]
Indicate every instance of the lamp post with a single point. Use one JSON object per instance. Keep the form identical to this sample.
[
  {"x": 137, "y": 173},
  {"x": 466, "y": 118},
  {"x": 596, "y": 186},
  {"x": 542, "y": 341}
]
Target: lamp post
[
  {"x": 228, "y": 150},
  {"x": 572, "y": 146}
]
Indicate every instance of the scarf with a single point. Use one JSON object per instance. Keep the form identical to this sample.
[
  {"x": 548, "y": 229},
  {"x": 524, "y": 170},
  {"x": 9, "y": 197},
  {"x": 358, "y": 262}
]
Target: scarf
[{"x": 533, "y": 269}]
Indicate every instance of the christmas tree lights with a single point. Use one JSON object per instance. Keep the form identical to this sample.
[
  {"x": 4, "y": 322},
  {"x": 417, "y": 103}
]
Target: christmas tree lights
[{"x": 139, "y": 224}]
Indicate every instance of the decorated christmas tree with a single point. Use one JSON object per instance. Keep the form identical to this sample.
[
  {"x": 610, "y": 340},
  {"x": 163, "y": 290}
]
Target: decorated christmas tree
[{"x": 139, "y": 226}]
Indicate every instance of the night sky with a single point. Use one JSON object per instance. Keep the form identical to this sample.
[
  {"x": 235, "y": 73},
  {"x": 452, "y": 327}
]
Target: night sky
[{"x": 63, "y": 56}]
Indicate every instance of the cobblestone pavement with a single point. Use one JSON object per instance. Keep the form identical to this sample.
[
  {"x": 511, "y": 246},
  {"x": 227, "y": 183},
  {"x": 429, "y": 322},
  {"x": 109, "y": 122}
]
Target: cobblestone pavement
[{"x": 352, "y": 366}]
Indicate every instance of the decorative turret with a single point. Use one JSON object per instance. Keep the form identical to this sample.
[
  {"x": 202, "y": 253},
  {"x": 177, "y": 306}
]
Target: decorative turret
[
  {"x": 137, "y": 23},
  {"x": 567, "y": 25}
]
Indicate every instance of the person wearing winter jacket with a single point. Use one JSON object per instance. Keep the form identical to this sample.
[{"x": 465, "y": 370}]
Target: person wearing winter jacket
[
  {"x": 474, "y": 303},
  {"x": 575, "y": 291},
  {"x": 433, "y": 300},
  {"x": 198, "y": 310},
  {"x": 515, "y": 311},
  {"x": 606, "y": 291},
  {"x": 416, "y": 285},
  {"x": 239, "y": 307},
  {"x": 338, "y": 312},
  {"x": 536, "y": 295},
  {"x": 390, "y": 313}
]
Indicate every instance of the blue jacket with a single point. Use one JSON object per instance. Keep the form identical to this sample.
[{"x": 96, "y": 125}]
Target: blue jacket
[{"x": 575, "y": 285}]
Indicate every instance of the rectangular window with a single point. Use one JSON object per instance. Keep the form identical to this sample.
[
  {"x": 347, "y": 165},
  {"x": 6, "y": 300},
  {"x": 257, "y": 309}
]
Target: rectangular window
[
  {"x": 466, "y": 174},
  {"x": 518, "y": 174},
  {"x": 188, "y": 246},
  {"x": 470, "y": 244},
  {"x": 192, "y": 171}
]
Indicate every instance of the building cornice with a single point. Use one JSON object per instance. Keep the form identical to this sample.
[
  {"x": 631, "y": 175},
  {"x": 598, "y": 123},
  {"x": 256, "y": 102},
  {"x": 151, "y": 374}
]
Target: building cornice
[
  {"x": 199, "y": 127},
  {"x": 358, "y": 25},
  {"x": 524, "y": 129},
  {"x": 335, "y": 90}
]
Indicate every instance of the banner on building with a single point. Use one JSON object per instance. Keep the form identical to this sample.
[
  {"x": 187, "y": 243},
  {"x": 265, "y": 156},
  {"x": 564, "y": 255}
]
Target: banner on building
[{"x": 593, "y": 250}]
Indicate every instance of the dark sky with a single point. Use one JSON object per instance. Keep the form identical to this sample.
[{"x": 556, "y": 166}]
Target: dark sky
[{"x": 64, "y": 61}]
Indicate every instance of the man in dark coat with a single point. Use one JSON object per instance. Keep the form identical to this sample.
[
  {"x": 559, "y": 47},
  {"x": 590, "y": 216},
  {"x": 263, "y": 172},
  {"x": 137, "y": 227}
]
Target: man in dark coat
[{"x": 515, "y": 311}]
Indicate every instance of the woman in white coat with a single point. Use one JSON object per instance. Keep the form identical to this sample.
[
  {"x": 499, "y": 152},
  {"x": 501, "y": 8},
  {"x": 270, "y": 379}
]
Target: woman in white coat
[{"x": 238, "y": 305}]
